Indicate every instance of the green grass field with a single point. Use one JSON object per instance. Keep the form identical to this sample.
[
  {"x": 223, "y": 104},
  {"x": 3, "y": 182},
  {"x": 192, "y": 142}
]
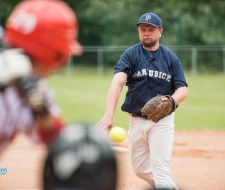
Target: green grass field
[{"x": 82, "y": 97}]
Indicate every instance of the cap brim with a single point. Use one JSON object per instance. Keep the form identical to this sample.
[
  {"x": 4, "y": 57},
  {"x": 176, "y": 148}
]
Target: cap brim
[
  {"x": 77, "y": 49},
  {"x": 148, "y": 24}
]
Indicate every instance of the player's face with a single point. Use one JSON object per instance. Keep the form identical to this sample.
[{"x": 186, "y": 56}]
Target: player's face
[{"x": 149, "y": 35}]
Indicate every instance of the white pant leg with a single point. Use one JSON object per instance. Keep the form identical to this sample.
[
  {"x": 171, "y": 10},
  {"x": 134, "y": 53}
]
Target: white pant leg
[
  {"x": 151, "y": 147},
  {"x": 139, "y": 149},
  {"x": 161, "y": 138}
]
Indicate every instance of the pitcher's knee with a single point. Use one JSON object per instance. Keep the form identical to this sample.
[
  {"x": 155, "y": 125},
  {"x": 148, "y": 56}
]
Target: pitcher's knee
[
  {"x": 147, "y": 176},
  {"x": 140, "y": 174}
]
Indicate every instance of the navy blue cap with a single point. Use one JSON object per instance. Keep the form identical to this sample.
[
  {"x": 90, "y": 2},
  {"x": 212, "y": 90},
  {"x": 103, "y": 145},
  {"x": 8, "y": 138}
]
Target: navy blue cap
[{"x": 150, "y": 18}]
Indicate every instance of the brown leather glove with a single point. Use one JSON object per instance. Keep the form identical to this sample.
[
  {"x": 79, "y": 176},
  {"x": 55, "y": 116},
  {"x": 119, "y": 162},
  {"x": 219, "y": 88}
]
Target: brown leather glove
[{"x": 156, "y": 108}]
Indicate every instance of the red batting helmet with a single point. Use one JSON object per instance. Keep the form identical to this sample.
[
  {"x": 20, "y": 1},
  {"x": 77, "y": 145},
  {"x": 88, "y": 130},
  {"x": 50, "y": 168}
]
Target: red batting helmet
[{"x": 46, "y": 29}]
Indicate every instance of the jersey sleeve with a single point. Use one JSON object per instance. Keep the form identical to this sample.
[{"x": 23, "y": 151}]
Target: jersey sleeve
[
  {"x": 123, "y": 64},
  {"x": 178, "y": 74}
]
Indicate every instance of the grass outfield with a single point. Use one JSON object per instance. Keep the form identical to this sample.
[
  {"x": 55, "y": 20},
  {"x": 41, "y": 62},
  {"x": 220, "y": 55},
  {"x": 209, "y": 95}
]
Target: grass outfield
[{"x": 82, "y": 97}]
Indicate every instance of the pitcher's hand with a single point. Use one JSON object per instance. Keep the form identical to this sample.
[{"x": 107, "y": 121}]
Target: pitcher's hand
[{"x": 104, "y": 125}]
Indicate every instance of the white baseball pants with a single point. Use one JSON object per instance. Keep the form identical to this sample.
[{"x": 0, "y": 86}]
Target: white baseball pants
[{"x": 151, "y": 147}]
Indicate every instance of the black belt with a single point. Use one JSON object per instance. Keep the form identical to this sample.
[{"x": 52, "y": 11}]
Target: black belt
[{"x": 145, "y": 117}]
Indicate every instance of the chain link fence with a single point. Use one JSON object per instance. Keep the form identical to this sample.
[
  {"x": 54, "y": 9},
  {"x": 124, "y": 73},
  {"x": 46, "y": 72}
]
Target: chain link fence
[{"x": 194, "y": 59}]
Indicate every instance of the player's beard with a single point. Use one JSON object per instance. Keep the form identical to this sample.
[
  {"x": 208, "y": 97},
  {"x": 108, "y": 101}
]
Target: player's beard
[{"x": 147, "y": 43}]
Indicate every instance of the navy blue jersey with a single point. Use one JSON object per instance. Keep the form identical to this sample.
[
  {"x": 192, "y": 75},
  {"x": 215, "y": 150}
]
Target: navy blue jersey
[{"x": 148, "y": 74}]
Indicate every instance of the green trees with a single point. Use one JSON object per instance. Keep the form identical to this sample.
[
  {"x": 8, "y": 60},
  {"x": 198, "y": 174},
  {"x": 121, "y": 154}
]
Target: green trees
[
  {"x": 185, "y": 23},
  {"x": 108, "y": 23},
  {"x": 112, "y": 23}
]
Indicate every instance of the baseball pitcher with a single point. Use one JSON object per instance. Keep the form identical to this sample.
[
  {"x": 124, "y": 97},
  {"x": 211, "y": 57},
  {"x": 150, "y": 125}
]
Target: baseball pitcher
[{"x": 156, "y": 86}]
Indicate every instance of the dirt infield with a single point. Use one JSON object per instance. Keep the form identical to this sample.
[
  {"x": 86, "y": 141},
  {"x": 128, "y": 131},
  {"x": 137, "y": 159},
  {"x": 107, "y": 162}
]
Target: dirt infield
[{"x": 198, "y": 163}]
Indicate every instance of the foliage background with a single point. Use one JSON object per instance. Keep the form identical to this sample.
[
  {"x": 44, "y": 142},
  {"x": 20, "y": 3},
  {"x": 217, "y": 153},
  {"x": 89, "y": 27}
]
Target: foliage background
[
  {"x": 113, "y": 23},
  {"x": 106, "y": 22}
]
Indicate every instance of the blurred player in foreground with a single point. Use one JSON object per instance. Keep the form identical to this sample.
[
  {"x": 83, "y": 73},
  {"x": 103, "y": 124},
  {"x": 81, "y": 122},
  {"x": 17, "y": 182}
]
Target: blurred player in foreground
[
  {"x": 39, "y": 38},
  {"x": 148, "y": 68},
  {"x": 80, "y": 159}
]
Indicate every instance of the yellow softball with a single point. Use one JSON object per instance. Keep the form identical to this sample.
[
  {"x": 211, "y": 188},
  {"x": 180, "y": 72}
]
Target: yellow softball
[{"x": 117, "y": 134}]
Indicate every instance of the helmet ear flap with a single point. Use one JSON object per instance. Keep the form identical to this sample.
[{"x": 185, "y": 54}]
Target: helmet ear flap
[{"x": 62, "y": 59}]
